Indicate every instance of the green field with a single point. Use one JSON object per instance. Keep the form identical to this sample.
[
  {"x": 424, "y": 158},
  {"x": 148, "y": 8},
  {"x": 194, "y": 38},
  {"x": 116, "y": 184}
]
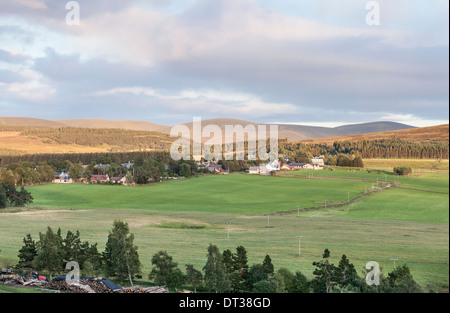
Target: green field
[
  {"x": 243, "y": 194},
  {"x": 184, "y": 217}
]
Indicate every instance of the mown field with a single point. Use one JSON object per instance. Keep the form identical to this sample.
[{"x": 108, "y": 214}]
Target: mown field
[
  {"x": 184, "y": 217},
  {"x": 236, "y": 193}
]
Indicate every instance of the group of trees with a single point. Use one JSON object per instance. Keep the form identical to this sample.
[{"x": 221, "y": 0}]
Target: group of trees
[
  {"x": 402, "y": 170},
  {"x": 53, "y": 251},
  {"x": 368, "y": 149},
  {"x": 223, "y": 272},
  {"x": 11, "y": 197},
  {"x": 344, "y": 278},
  {"x": 345, "y": 160},
  {"x": 144, "y": 170}
]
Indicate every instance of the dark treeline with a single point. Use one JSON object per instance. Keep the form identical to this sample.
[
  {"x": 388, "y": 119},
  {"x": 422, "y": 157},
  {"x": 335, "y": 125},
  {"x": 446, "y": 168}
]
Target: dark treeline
[
  {"x": 84, "y": 158},
  {"x": 297, "y": 152},
  {"x": 369, "y": 149}
]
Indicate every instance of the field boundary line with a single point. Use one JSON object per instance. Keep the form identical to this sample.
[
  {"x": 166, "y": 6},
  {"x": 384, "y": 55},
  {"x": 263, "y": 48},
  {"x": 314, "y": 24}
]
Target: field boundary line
[
  {"x": 424, "y": 190},
  {"x": 332, "y": 205}
]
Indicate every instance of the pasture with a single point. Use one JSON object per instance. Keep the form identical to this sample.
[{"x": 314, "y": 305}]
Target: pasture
[{"x": 184, "y": 217}]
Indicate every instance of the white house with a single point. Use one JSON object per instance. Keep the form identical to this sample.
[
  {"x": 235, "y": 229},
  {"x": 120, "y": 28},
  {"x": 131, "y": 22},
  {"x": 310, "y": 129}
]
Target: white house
[
  {"x": 62, "y": 178},
  {"x": 318, "y": 161}
]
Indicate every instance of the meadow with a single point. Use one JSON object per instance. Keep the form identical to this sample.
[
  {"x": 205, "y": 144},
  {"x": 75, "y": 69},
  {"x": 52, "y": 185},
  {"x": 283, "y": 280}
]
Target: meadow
[
  {"x": 235, "y": 193},
  {"x": 184, "y": 217}
]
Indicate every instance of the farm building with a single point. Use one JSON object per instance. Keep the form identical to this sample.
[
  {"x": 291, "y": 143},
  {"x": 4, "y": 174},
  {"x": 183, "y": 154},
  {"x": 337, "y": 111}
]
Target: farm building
[
  {"x": 99, "y": 179},
  {"x": 62, "y": 178},
  {"x": 318, "y": 161},
  {"x": 217, "y": 168},
  {"x": 119, "y": 180}
]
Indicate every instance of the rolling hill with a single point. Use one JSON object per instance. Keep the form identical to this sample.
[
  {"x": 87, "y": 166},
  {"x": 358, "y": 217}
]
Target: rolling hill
[
  {"x": 26, "y": 121},
  {"x": 285, "y": 131},
  {"x": 433, "y": 133},
  {"x": 122, "y": 124}
]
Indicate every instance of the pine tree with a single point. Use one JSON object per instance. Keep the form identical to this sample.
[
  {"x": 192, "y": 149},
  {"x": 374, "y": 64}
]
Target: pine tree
[
  {"x": 268, "y": 266},
  {"x": 215, "y": 275},
  {"x": 325, "y": 275},
  {"x": 28, "y": 252},
  {"x": 50, "y": 255},
  {"x": 345, "y": 272}
]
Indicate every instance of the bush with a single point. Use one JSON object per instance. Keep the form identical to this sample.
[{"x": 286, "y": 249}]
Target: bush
[{"x": 403, "y": 171}]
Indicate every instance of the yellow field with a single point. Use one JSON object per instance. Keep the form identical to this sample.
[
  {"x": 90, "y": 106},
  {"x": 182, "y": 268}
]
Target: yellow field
[
  {"x": 414, "y": 164},
  {"x": 12, "y": 143}
]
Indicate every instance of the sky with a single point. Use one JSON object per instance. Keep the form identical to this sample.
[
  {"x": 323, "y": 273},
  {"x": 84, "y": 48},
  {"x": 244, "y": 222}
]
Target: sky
[{"x": 308, "y": 62}]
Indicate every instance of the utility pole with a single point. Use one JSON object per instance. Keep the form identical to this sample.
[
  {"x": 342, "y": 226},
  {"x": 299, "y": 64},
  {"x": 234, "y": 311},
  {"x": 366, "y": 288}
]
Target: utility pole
[
  {"x": 299, "y": 244},
  {"x": 268, "y": 220},
  {"x": 228, "y": 234},
  {"x": 394, "y": 262}
]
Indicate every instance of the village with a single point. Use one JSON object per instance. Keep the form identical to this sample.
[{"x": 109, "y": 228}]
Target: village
[{"x": 211, "y": 167}]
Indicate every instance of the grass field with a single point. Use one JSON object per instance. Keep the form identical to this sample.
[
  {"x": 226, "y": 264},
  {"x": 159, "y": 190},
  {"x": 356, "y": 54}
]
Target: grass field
[
  {"x": 435, "y": 181},
  {"x": 184, "y": 217},
  {"x": 237, "y": 193}
]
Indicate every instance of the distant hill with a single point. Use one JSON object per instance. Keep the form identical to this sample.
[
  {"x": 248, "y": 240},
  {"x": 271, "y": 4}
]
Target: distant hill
[
  {"x": 26, "y": 121},
  {"x": 285, "y": 131},
  {"x": 433, "y": 133},
  {"x": 300, "y": 132},
  {"x": 122, "y": 124}
]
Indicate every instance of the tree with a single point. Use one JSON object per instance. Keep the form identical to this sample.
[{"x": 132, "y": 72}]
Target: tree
[
  {"x": 129, "y": 178},
  {"x": 24, "y": 197},
  {"x": 120, "y": 257},
  {"x": 268, "y": 266},
  {"x": 176, "y": 279},
  {"x": 403, "y": 171},
  {"x": 3, "y": 197},
  {"x": 215, "y": 275},
  {"x": 193, "y": 277},
  {"x": 345, "y": 272},
  {"x": 325, "y": 275},
  {"x": 294, "y": 283},
  {"x": 76, "y": 171},
  {"x": 256, "y": 274},
  {"x": 50, "y": 255},
  {"x": 240, "y": 262},
  {"x": 164, "y": 266},
  {"x": 402, "y": 281},
  {"x": 28, "y": 252}
]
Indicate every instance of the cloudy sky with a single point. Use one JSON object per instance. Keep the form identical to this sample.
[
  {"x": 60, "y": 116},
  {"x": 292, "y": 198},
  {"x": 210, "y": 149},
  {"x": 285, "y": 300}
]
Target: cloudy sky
[{"x": 312, "y": 62}]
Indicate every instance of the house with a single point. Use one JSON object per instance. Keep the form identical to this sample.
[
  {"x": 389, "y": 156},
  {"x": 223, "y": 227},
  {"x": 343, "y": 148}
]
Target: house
[
  {"x": 62, "y": 178},
  {"x": 296, "y": 166},
  {"x": 254, "y": 170},
  {"x": 119, "y": 180},
  {"x": 318, "y": 161},
  {"x": 285, "y": 167},
  {"x": 308, "y": 166},
  {"x": 304, "y": 166},
  {"x": 99, "y": 179},
  {"x": 273, "y": 166},
  {"x": 216, "y": 168},
  {"x": 128, "y": 165},
  {"x": 102, "y": 166},
  {"x": 260, "y": 170}
]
